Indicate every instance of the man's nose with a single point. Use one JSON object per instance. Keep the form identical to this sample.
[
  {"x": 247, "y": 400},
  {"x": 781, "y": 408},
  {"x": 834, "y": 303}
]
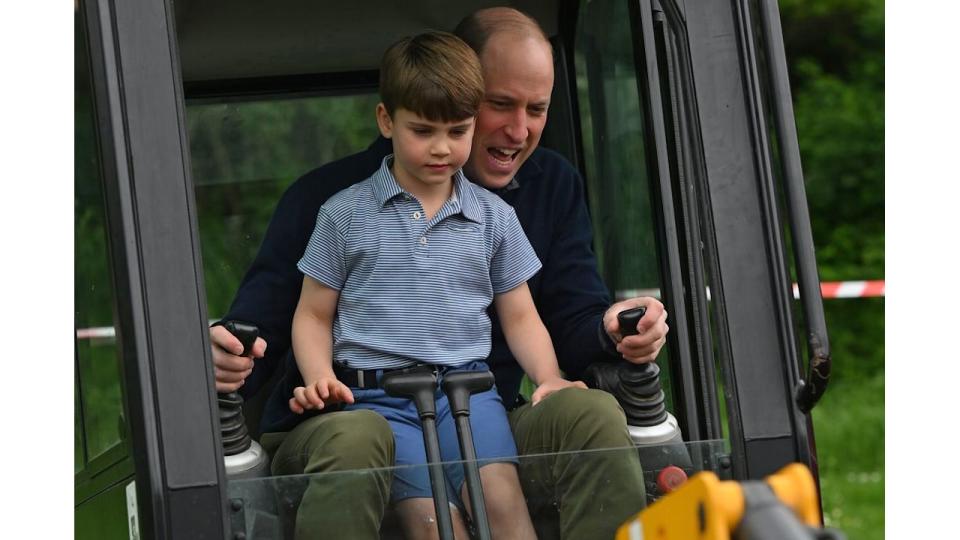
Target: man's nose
[{"x": 517, "y": 129}]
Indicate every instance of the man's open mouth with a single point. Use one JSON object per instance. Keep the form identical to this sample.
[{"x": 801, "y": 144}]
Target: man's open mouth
[{"x": 503, "y": 156}]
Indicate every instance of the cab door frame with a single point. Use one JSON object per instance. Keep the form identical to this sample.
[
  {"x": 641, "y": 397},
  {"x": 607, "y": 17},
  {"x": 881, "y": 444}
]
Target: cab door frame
[{"x": 154, "y": 252}]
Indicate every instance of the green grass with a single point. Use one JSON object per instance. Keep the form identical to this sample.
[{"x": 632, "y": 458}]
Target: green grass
[{"x": 849, "y": 427}]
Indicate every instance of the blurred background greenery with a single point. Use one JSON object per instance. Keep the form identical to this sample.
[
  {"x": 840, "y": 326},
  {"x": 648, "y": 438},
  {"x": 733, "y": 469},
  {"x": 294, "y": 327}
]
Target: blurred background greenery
[{"x": 835, "y": 50}]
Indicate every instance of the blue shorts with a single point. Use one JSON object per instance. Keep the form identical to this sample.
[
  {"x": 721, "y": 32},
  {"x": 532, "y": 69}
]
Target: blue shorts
[{"x": 492, "y": 437}]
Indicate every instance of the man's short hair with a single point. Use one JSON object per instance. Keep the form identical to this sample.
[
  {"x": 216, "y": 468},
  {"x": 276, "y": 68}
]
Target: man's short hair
[
  {"x": 434, "y": 75},
  {"x": 477, "y": 28}
]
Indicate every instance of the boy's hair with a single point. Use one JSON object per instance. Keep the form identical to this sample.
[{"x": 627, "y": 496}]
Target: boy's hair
[{"x": 434, "y": 75}]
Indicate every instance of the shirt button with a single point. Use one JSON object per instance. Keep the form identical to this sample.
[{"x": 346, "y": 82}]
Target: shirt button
[
  {"x": 416, "y": 215},
  {"x": 423, "y": 240}
]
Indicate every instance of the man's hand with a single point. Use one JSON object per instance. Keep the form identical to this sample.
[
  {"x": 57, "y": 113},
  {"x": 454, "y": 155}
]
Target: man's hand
[
  {"x": 229, "y": 368},
  {"x": 325, "y": 391},
  {"x": 550, "y": 386},
  {"x": 652, "y": 330}
]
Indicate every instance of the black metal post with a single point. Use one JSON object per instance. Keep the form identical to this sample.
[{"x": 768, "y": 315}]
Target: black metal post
[
  {"x": 809, "y": 391},
  {"x": 458, "y": 387},
  {"x": 420, "y": 387}
]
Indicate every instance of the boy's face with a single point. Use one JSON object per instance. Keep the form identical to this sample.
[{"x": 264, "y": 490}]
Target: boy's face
[
  {"x": 425, "y": 153},
  {"x": 518, "y": 80}
]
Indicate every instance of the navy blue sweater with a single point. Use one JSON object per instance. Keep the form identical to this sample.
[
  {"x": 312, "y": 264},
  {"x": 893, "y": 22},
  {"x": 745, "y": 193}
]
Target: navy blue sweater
[{"x": 549, "y": 201}]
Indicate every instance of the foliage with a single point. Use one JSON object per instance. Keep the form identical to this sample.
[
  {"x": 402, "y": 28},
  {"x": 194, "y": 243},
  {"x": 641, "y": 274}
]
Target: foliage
[{"x": 835, "y": 54}]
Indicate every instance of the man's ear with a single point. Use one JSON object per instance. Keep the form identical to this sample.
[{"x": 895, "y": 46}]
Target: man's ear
[{"x": 384, "y": 122}]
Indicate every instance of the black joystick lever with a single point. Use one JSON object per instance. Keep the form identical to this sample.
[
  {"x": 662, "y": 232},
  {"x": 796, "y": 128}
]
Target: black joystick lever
[
  {"x": 629, "y": 319},
  {"x": 233, "y": 428},
  {"x": 458, "y": 387},
  {"x": 640, "y": 393},
  {"x": 652, "y": 428},
  {"x": 420, "y": 385}
]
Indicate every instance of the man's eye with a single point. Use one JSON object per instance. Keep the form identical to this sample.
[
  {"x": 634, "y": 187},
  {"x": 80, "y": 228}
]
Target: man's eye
[{"x": 537, "y": 111}]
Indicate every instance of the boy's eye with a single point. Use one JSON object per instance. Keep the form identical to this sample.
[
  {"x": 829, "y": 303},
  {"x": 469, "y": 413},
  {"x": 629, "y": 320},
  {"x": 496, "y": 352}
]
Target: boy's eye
[
  {"x": 459, "y": 132},
  {"x": 421, "y": 131}
]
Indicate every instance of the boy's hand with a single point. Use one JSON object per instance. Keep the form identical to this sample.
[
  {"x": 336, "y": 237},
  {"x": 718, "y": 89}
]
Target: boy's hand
[
  {"x": 550, "y": 386},
  {"x": 325, "y": 391}
]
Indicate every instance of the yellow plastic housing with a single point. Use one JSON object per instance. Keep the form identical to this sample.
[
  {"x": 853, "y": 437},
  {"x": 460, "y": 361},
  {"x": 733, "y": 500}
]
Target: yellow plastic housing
[{"x": 705, "y": 508}]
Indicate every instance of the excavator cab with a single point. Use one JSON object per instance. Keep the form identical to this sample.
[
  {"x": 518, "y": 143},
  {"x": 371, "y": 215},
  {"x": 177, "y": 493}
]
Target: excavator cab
[{"x": 194, "y": 117}]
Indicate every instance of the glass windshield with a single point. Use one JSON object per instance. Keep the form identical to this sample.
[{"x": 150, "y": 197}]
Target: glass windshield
[
  {"x": 98, "y": 407},
  {"x": 244, "y": 156},
  {"x": 267, "y": 507}
]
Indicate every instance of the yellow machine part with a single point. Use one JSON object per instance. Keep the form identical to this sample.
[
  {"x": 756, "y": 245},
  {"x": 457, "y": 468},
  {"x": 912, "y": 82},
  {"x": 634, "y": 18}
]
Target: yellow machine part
[{"x": 706, "y": 508}]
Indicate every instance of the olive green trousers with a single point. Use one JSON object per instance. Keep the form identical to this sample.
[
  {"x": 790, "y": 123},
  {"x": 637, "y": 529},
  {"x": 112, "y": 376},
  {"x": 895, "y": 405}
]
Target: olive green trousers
[{"x": 574, "y": 488}]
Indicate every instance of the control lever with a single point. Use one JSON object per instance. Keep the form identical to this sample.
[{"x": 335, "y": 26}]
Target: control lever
[
  {"x": 243, "y": 457},
  {"x": 420, "y": 385},
  {"x": 642, "y": 394},
  {"x": 458, "y": 387},
  {"x": 653, "y": 430}
]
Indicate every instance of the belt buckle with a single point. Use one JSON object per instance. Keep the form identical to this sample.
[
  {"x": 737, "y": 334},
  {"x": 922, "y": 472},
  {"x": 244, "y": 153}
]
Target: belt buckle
[{"x": 360, "y": 382}]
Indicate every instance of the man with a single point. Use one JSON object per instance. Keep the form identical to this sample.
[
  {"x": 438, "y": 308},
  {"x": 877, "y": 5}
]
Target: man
[{"x": 547, "y": 195}]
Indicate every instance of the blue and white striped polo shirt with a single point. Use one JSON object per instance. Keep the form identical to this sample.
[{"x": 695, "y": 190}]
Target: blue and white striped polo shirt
[{"x": 413, "y": 290}]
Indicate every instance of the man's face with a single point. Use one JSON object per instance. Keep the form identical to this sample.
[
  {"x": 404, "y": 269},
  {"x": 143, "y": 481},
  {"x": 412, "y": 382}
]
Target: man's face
[{"x": 518, "y": 75}]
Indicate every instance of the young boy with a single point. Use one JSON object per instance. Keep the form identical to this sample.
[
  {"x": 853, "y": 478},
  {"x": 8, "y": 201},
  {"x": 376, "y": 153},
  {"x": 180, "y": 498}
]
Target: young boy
[{"x": 400, "y": 271}]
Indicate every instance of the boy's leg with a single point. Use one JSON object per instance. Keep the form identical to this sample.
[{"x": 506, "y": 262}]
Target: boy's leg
[
  {"x": 418, "y": 517},
  {"x": 595, "y": 492},
  {"x": 352, "y": 504},
  {"x": 411, "y": 491},
  {"x": 493, "y": 440},
  {"x": 506, "y": 507}
]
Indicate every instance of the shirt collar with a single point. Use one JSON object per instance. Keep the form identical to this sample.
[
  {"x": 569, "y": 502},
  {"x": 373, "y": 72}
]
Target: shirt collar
[
  {"x": 385, "y": 187},
  {"x": 529, "y": 168},
  {"x": 469, "y": 205}
]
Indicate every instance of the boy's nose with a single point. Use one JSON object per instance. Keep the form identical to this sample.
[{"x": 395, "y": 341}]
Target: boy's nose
[{"x": 440, "y": 148}]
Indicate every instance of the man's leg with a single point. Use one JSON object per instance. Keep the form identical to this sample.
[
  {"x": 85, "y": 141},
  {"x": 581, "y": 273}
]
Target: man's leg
[
  {"x": 352, "y": 504},
  {"x": 594, "y": 492}
]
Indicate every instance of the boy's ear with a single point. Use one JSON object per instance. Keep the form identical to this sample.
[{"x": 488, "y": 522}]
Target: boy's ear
[{"x": 384, "y": 122}]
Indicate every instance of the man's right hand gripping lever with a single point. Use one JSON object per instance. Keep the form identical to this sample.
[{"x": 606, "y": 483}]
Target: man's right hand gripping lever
[{"x": 231, "y": 367}]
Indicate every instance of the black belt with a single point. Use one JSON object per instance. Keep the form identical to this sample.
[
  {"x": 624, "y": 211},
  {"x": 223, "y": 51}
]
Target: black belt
[{"x": 366, "y": 379}]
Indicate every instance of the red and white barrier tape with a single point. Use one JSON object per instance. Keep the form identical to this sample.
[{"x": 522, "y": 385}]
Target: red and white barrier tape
[
  {"x": 828, "y": 289},
  {"x": 106, "y": 332},
  {"x": 849, "y": 289}
]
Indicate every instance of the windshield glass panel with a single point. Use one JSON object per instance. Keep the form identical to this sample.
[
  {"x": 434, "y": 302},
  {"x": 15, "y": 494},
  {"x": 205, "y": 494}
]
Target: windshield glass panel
[
  {"x": 244, "y": 155},
  {"x": 267, "y": 507}
]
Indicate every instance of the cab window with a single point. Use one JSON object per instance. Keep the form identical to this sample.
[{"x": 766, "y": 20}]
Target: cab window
[{"x": 244, "y": 156}]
